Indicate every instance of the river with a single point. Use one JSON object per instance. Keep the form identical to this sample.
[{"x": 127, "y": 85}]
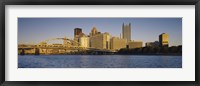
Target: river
[{"x": 99, "y": 61}]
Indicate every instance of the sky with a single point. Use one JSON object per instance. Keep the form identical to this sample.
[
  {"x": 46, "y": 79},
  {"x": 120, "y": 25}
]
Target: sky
[{"x": 35, "y": 30}]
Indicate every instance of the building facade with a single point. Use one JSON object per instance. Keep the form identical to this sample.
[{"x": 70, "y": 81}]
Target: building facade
[
  {"x": 135, "y": 44},
  {"x": 126, "y": 32},
  {"x": 117, "y": 43},
  {"x": 100, "y": 41},
  {"x": 77, "y": 32},
  {"x": 163, "y": 40},
  {"x": 94, "y": 31},
  {"x": 84, "y": 41},
  {"x": 152, "y": 44}
]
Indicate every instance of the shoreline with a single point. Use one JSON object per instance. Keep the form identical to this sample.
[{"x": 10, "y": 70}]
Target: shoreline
[{"x": 111, "y": 54}]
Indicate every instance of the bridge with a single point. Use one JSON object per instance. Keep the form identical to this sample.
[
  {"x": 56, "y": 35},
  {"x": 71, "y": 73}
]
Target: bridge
[
  {"x": 35, "y": 50},
  {"x": 68, "y": 46},
  {"x": 48, "y": 49}
]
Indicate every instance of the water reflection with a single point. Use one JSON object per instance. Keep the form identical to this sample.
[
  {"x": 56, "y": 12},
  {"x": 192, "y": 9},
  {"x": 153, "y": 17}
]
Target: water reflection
[{"x": 99, "y": 61}]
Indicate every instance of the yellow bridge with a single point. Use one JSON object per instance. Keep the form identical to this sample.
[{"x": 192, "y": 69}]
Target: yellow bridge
[
  {"x": 68, "y": 46},
  {"x": 45, "y": 48}
]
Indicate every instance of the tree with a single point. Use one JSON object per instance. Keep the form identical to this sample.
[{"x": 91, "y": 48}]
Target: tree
[{"x": 164, "y": 50}]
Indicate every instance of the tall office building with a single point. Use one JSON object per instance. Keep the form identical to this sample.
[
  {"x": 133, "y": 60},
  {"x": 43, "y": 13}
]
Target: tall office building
[
  {"x": 77, "y": 32},
  {"x": 100, "y": 41},
  {"x": 163, "y": 39},
  {"x": 117, "y": 43},
  {"x": 94, "y": 31},
  {"x": 126, "y": 32}
]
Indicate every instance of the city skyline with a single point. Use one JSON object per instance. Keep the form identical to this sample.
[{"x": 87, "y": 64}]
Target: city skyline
[{"x": 35, "y": 30}]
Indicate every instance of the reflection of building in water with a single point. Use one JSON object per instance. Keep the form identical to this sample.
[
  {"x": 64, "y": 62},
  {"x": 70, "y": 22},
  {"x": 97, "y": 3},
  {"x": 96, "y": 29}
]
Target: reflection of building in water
[
  {"x": 100, "y": 41},
  {"x": 135, "y": 44},
  {"x": 126, "y": 32},
  {"x": 117, "y": 43},
  {"x": 163, "y": 39},
  {"x": 152, "y": 44}
]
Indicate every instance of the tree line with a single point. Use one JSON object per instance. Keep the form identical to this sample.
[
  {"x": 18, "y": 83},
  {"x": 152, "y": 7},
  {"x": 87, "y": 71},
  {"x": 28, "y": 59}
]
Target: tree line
[{"x": 173, "y": 50}]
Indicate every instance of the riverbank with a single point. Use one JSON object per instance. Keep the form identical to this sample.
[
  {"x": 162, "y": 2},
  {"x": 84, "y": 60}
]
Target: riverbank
[{"x": 169, "y": 54}]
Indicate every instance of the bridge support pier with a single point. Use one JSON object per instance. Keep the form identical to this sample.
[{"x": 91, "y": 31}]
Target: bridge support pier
[
  {"x": 37, "y": 51},
  {"x": 21, "y": 52}
]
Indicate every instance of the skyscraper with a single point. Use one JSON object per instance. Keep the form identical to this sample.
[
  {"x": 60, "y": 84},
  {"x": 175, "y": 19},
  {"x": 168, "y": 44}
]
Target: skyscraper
[
  {"x": 77, "y": 32},
  {"x": 163, "y": 39},
  {"x": 126, "y": 32},
  {"x": 100, "y": 41},
  {"x": 117, "y": 43},
  {"x": 93, "y": 31}
]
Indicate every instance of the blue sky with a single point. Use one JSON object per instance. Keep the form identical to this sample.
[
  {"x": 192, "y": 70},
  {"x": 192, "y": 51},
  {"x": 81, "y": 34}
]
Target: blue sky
[{"x": 35, "y": 30}]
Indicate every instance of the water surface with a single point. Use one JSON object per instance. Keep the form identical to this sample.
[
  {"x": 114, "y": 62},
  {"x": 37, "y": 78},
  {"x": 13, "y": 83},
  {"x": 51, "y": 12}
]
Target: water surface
[{"x": 98, "y": 61}]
